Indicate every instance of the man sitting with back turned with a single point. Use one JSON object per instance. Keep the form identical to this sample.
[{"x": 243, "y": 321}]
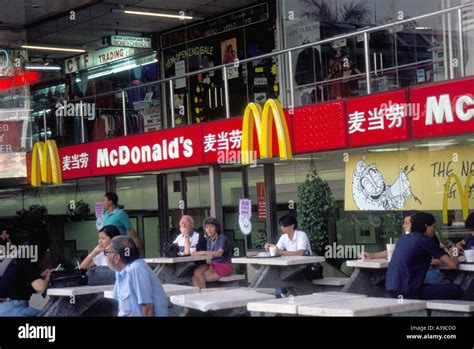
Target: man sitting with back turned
[{"x": 137, "y": 289}]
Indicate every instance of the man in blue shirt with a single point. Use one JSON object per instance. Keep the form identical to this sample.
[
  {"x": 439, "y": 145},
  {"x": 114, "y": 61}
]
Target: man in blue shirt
[
  {"x": 137, "y": 288},
  {"x": 411, "y": 260},
  {"x": 117, "y": 217}
]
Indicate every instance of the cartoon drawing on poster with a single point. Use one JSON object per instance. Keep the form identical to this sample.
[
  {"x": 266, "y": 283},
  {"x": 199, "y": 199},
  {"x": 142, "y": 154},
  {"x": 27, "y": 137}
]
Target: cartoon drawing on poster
[{"x": 370, "y": 190}]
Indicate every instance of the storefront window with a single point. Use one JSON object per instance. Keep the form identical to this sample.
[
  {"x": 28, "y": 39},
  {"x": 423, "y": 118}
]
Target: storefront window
[
  {"x": 417, "y": 52},
  {"x": 242, "y": 34}
]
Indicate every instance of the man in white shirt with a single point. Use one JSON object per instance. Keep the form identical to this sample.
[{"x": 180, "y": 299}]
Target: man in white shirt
[
  {"x": 293, "y": 242},
  {"x": 188, "y": 239}
]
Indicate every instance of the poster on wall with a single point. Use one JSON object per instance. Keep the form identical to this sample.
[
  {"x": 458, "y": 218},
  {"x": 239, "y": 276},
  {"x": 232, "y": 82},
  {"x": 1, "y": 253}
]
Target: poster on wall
[
  {"x": 411, "y": 180},
  {"x": 180, "y": 70},
  {"x": 229, "y": 55}
]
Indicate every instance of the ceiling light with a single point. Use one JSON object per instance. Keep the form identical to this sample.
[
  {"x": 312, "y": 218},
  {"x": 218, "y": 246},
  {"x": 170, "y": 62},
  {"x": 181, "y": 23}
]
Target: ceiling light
[
  {"x": 51, "y": 48},
  {"x": 386, "y": 150},
  {"x": 42, "y": 67},
  {"x": 436, "y": 144},
  {"x": 153, "y": 14}
]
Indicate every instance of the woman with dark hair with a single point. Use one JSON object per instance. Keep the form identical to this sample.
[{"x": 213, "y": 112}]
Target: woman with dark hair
[
  {"x": 97, "y": 256},
  {"x": 23, "y": 277},
  {"x": 468, "y": 242},
  {"x": 411, "y": 260},
  {"x": 219, "y": 248}
]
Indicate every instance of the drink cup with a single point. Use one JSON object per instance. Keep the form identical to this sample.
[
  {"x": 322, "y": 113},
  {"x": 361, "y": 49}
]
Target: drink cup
[
  {"x": 390, "y": 249},
  {"x": 272, "y": 250}
]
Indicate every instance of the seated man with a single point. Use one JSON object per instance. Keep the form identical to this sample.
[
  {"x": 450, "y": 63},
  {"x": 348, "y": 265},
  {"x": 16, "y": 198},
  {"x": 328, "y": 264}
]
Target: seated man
[
  {"x": 189, "y": 238},
  {"x": 137, "y": 289},
  {"x": 292, "y": 242},
  {"x": 411, "y": 260}
]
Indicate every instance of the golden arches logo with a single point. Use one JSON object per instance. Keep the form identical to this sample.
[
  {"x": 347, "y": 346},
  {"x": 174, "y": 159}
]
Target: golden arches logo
[
  {"x": 463, "y": 195},
  {"x": 263, "y": 122},
  {"x": 45, "y": 164}
]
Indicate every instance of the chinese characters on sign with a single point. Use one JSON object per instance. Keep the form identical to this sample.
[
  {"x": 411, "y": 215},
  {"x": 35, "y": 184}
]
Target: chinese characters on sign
[
  {"x": 75, "y": 162},
  {"x": 377, "y": 119},
  {"x": 245, "y": 208},
  {"x": 223, "y": 141},
  {"x": 262, "y": 207}
]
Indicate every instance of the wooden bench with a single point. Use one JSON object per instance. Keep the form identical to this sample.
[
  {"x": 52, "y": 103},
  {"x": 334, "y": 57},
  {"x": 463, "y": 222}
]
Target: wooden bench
[
  {"x": 227, "y": 281},
  {"x": 226, "y": 302},
  {"x": 443, "y": 307}
]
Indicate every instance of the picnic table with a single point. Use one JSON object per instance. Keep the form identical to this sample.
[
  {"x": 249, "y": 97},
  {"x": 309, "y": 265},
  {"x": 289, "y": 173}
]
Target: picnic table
[
  {"x": 290, "y": 305},
  {"x": 368, "y": 277},
  {"x": 281, "y": 272},
  {"x": 79, "y": 301},
  {"x": 176, "y": 270},
  {"x": 366, "y": 306},
  {"x": 231, "y": 302},
  {"x": 170, "y": 290}
]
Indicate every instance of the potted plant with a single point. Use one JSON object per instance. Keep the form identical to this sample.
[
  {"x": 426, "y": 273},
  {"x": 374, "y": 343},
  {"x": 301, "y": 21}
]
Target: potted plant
[
  {"x": 78, "y": 210},
  {"x": 315, "y": 208},
  {"x": 34, "y": 211}
]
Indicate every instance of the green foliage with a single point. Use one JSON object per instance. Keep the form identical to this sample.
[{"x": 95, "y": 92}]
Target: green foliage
[
  {"x": 37, "y": 211},
  {"x": 78, "y": 211},
  {"x": 315, "y": 208}
]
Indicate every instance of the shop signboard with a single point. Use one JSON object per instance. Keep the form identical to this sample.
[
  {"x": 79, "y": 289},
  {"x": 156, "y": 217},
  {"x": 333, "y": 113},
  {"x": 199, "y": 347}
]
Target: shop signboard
[
  {"x": 261, "y": 205},
  {"x": 129, "y": 41},
  {"x": 75, "y": 161},
  {"x": 147, "y": 152},
  {"x": 378, "y": 119},
  {"x": 9, "y": 138},
  {"x": 222, "y": 141},
  {"x": 314, "y": 120},
  {"x": 445, "y": 109},
  {"x": 411, "y": 180}
]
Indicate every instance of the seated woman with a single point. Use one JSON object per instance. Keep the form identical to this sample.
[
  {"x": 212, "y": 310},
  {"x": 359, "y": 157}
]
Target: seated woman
[
  {"x": 411, "y": 260},
  {"x": 22, "y": 278},
  {"x": 219, "y": 248},
  {"x": 97, "y": 257}
]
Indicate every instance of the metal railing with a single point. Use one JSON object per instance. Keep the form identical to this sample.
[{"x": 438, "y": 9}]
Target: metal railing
[{"x": 365, "y": 33}]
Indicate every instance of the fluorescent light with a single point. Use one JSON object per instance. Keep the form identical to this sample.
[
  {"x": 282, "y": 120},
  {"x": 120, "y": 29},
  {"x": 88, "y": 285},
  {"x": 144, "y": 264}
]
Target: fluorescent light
[
  {"x": 124, "y": 67},
  {"x": 43, "y": 67},
  {"x": 155, "y": 14},
  {"x": 50, "y": 48},
  {"x": 96, "y": 75},
  {"x": 385, "y": 150},
  {"x": 434, "y": 144}
]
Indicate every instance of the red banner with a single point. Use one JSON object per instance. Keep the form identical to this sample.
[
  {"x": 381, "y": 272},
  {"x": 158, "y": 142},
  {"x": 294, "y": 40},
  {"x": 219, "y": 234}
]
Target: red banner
[
  {"x": 222, "y": 141},
  {"x": 327, "y": 121},
  {"x": 9, "y": 137},
  {"x": 76, "y": 161},
  {"x": 378, "y": 119},
  {"x": 445, "y": 109},
  {"x": 180, "y": 147},
  {"x": 262, "y": 207}
]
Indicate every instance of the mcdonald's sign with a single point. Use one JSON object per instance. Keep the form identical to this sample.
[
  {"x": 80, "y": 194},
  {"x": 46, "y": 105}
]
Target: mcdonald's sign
[
  {"x": 263, "y": 122},
  {"x": 45, "y": 164},
  {"x": 463, "y": 195}
]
